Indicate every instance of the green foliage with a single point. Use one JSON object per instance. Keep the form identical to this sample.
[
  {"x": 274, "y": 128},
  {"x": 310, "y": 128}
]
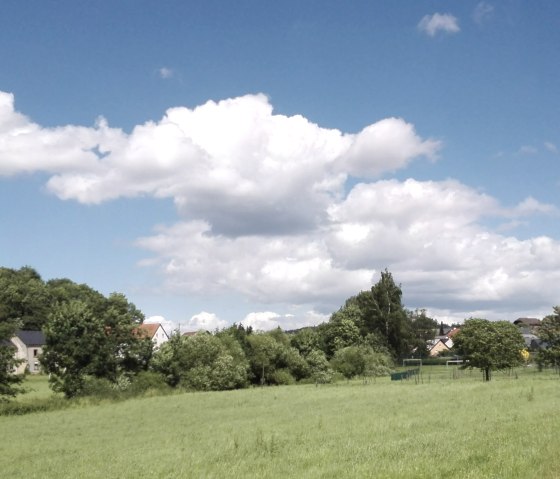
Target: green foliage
[
  {"x": 73, "y": 338},
  {"x": 377, "y": 315},
  {"x": 80, "y": 343},
  {"x": 64, "y": 290},
  {"x": 262, "y": 355},
  {"x": 424, "y": 329},
  {"x": 341, "y": 331},
  {"x": 203, "y": 362},
  {"x": 362, "y": 360},
  {"x": 549, "y": 334},
  {"x": 489, "y": 345},
  {"x": 24, "y": 298},
  {"x": 282, "y": 377},
  {"x": 20, "y": 408},
  {"x": 272, "y": 351},
  {"x": 320, "y": 369},
  {"x": 385, "y": 315},
  {"x": 238, "y": 333},
  {"x": 8, "y": 381},
  {"x": 86, "y": 333},
  {"x": 147, "y": 382},
  {"x": 167, "y": 360},
  {"x": 305, "y": 340}
]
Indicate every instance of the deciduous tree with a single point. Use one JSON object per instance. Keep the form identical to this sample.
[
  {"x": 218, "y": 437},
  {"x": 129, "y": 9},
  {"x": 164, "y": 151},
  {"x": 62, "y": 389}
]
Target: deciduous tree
[
  {"x": 489, "y": 345},
  {"x": 24, "y": 297},
  {"x": 80, "y": 342},
  {"x": 74, "y": 338},
  {"x": 385, "y": 316},
  {"x": 9, "y": 382},
  {"x": 549, "y": 334}
]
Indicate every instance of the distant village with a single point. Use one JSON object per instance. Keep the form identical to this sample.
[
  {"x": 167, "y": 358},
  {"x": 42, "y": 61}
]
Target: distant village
[{"x": 29, "y": 345}]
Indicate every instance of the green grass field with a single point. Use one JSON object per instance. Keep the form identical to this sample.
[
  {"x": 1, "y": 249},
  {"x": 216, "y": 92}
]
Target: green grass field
[{"x": 437, "y": 427}]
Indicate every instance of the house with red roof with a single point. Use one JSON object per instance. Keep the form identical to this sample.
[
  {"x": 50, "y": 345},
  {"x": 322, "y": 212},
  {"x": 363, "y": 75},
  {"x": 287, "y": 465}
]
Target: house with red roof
[{"x": 155, "y": 332}]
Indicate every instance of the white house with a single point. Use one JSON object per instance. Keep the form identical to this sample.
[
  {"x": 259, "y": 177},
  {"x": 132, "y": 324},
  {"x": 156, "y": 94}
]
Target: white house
[
  {"x": 155, "y": 332},
  {"x": 437, "y": 346},
  {"x": 29, "y": 346}
]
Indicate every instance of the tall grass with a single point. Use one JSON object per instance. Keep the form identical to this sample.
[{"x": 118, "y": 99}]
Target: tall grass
[{"x": 436, "y": 428}]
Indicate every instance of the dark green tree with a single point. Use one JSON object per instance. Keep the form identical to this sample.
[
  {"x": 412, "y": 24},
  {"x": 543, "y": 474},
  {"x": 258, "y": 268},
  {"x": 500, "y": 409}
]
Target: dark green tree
[
  {"x": 341, "y": 331},
  {"x": 424, "y": 329},
  {"x": 273, "y": 360},
  {"x": 64, "y": 290},
  {"x": 74, "y": 337},
  {"x": 489, "y": 345},
  {"x": 305, "y": 341},
  {"x": 384, "y": 315},
  {"x": 9, "y": 382},
  {"x": 262, "y": 356},
  {"x": 168, "y": 359},
  {"x": 319, "y": 368},
  {"x": 24, "y": 297},
  {"x": 549, "y": 334},
  {"x": 124, "y": 350},
  {"x": 81, "y": 343}
]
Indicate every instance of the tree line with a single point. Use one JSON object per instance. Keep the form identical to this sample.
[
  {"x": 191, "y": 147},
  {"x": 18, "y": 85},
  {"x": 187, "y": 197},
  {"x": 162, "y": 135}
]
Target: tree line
[{"x": 92, "y": 337}]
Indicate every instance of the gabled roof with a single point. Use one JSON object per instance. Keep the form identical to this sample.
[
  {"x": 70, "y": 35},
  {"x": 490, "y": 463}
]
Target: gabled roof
[
  {"x": 31, "y": 338},
  {"x": 150, "y": 329}
]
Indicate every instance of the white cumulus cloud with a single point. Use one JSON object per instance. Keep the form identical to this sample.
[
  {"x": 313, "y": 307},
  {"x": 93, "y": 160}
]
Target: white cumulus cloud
[
  {"x": 204, "y": 321},
  {"x": 278, "y": 210}
]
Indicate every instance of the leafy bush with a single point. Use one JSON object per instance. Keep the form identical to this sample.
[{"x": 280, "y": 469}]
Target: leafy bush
[
  {"x": 282, "y": 377},
  {"x": 99, "y": 388},
  {"x": 17, "y": 408},
  {"x": 147, "y": 381}
]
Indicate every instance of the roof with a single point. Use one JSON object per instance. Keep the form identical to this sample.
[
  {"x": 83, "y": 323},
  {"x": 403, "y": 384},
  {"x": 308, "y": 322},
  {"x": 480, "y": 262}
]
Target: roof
[
  {"x": 527, "y": 321},
  {"x": 31, "y": 338},
  {"x": 453, "y": 332},
  {"x": 150, "y": 329},
  {"x": 432, "y": 343}
]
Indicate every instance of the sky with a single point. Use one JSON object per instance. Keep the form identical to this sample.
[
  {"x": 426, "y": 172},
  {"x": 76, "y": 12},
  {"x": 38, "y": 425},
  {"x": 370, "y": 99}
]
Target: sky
[{"x": 260, "y": 161}]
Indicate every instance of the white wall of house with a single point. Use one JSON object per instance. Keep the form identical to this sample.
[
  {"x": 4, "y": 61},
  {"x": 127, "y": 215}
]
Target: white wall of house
[
  {"x": 160, "y": 337},
  {"x": 29, "y": 355}
]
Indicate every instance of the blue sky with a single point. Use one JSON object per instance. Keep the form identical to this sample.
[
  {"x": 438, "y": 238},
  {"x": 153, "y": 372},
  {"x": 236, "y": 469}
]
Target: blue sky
[{"x": 262, "y": 161}]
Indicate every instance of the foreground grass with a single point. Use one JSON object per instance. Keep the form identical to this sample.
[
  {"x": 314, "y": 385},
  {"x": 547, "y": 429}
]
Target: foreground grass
[{"x": 436, "y": 429}]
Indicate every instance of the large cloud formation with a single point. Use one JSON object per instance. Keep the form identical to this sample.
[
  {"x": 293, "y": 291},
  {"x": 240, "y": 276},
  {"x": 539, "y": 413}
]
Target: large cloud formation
[{"x": 280, "y": 210}]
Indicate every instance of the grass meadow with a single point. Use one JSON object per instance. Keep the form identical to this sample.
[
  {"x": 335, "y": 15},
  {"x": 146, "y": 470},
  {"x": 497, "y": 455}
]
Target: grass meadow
[{"x": 443, "y": 425}]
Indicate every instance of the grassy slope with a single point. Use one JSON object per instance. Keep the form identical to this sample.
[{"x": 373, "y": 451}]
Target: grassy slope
[{"x": 462, "y": 429}]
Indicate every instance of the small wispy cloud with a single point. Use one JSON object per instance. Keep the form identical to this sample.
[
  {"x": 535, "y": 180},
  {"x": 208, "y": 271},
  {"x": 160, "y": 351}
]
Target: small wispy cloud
[
  {"x": 530, "y": 206},
  {"x": 527, "y": 150},
  {"x": 482, "y": 13},
  {"x": 439, "y": 22},
  {"x": 551, "y": 147},
  {"x": 165, "y": 73}
]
